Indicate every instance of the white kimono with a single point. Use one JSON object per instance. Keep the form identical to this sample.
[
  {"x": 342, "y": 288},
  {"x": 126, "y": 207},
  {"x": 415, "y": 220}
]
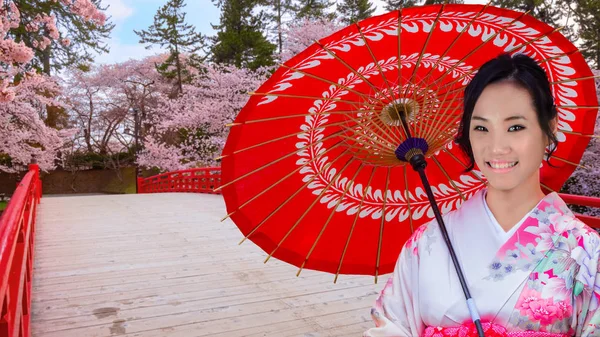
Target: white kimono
[{"x": 539, "y": 279}]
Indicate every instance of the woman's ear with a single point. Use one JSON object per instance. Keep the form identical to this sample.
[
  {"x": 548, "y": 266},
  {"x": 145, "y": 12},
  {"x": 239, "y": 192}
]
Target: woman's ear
[{"x": 553, "y": 128}]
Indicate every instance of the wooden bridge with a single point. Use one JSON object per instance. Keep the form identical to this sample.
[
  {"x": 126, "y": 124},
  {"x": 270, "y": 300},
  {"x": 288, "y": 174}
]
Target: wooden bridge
[{"x": 125, "y": 265}]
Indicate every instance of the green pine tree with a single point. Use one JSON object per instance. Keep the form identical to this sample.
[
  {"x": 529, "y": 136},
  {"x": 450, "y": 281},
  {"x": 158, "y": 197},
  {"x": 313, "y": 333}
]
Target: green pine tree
[
  {"x": 169, "y": 29},
  {"x": 240, "y": 40},
  {"x": 314, "y": 9},
  {"x": 392, "y": 5},
  {"x": 547, "y": 11},
  {"x": 587, "y": 16},
  {"x": 277, "y": 11},
  {"x": 355, "y": 10}
]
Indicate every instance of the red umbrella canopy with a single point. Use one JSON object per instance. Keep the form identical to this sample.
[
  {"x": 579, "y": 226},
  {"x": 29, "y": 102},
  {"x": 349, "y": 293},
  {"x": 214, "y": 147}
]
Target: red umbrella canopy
[{"x": 309, "y": 168}]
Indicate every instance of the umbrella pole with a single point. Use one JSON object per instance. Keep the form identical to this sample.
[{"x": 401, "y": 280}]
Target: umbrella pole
[{"x": 418, "y": 163}]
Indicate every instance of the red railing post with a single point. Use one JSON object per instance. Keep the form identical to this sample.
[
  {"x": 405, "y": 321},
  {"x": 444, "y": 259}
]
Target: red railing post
[
  {"x": 17, "y": 236},
  {"x": 197, "y": 180}
]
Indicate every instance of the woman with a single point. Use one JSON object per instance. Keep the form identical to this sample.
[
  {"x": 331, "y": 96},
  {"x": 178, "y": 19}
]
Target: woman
[{"x": 531, "y": 266}]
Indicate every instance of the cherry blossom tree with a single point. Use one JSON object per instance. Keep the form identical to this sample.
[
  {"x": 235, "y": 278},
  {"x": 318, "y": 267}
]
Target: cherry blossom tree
[
  {"x": 25, "y": 94},
  {"x": 303, "y": 34},
  {"x": 190, "y": 129},
  {"x": 584, "y": 181},
  {"x": 111, "y": 106}
]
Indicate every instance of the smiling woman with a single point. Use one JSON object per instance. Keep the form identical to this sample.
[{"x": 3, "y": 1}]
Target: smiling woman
[
  {"x": 509, "y": 121},
  {"x": 531, "y": 265}
]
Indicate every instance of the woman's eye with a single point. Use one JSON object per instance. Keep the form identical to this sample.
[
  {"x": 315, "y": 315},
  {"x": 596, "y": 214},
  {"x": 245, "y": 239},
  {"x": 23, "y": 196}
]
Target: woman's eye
[
  {"x": 516, "y": 128},
  {"x": 479, "y": 128}
]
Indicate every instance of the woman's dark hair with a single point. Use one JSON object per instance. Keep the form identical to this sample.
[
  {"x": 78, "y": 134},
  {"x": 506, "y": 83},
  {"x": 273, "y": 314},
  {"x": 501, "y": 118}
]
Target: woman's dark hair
[{"x": 525, "y": 72}]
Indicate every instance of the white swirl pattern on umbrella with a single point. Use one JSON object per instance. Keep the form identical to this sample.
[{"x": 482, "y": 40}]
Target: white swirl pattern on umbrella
[{"x": 448, "y": 198}]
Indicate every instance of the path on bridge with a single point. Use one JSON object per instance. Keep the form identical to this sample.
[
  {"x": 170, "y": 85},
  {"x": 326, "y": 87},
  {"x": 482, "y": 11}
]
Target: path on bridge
[{"x": 162, "y": 265}]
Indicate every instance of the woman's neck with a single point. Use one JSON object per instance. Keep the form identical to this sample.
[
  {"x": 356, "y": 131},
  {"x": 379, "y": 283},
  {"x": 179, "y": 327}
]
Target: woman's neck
[{"x": 510, "y": 206}]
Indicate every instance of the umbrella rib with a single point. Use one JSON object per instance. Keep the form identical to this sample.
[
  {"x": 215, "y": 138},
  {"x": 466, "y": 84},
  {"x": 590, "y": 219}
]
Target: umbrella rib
[
  {"x": 407, "y": 197},
  {"x": 390, "y": 90},
  {"x": 331, "y": 82},
  {"x": 362, "y": 200},
  {"x": 384, "y": 199},
  {"x": 461, "y": 60},
  {"x": 369, "y": 137},
  {"x": 447, "y": 113},
  {"x": 375, "y": 123},
  {"x": 578, "y": 134},
  {"x": 525, "y": 44},
  {"x": 448, "y": 49},
  {"x": 448, "y": 177},
  {"x": 575, "y": 79},
  {"x": 350, "y": 183},
  {"x": 365, "y": 80},
  {"x": 276, "y": 118},
  {"x": 278, "y": 160},
  {"x": 569, "y": 162},
  {"x": 290, "y": 198},
  {"x": 418, "y": 63},
  {"x": 400, "y": 47},
  {"x": 316, "y": 98},
  {"x": 546, "y": 187},
  {"x": 337, "y": 175},
  {"x": 464, "y": 165},
  {"x": 578, "y": 106},
  {"x": 455, "y": 41},
  {"x": 280, "y": 138},
  {"x": 282, "y": 179},
  {"x": 471, "y": 53},
  {"x": 563, "y": 54}
]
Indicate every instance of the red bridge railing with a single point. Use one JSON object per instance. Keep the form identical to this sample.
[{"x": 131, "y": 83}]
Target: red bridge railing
[
  {"x": 198, "y": 180},
  {"x": 204, "y": 180},
  {"x": 17, "y": 229},
  {"x": 581, "y": 200}
]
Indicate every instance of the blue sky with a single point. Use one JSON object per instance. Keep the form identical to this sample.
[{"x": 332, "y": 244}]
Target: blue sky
[{"x": 128, "y": 15}]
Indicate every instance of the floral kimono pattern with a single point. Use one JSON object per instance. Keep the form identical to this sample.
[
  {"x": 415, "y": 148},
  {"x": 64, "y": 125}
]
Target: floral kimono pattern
[{"x": 540, "y": 279}]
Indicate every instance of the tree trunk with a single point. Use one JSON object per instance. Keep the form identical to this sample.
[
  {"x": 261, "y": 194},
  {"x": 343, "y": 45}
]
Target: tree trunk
[
  {"x": 598, "y": 49},
  {"x": 279, "y": 37}
]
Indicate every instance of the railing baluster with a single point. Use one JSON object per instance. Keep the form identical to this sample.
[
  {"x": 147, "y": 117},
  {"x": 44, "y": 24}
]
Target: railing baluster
[{"x": 17, "y": 228}]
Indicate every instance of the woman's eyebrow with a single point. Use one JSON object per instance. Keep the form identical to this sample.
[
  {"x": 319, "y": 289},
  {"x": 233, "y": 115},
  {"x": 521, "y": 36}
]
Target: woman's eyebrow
[{"x": 511, "y": 118}]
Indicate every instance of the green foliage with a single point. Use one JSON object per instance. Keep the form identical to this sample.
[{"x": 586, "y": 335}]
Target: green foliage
[
  {"x": 587, "y": 16},
  {"x": 170, "y": 30},
  {"x": 92, "y": 160},
  {"x": 392, "y": 5},
  {"x": 240, "y": 40},
  {"x": 355, "y": 10},
  {"x": 276, "y": 11},
  {"x": 314, "y": 9}
]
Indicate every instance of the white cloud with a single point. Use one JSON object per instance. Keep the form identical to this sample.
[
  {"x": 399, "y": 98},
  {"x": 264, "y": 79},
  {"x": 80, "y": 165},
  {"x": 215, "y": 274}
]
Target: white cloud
[
  {"x": 117, "y": 9},
  {"x": 120, "y": 52}
]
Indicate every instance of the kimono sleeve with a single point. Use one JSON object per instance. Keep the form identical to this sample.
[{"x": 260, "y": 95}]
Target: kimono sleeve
[
  {"x": 589, "y": 319},
  {"x": 396, "y": 312}
]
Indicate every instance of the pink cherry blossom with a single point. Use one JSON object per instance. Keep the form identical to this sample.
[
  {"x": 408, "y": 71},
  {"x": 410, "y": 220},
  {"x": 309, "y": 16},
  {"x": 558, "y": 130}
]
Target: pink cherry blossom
[
  {"x": 304, "y": 34},
  {"x": 22, "y": 129}
]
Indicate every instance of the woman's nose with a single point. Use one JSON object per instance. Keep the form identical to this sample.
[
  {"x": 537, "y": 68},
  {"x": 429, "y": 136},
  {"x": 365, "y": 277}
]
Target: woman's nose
[{"x": 500, "y": 145}]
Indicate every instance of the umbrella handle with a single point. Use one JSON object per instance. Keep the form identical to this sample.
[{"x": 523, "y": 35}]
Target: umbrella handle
[{"x": 418, "y": 163}]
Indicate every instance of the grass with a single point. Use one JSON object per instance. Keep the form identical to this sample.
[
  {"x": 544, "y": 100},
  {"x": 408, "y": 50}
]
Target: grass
[{"x": 3, "y": 205}]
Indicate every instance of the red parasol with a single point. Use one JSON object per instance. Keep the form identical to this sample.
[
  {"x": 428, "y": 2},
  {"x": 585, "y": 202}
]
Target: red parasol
[{"x": 310, "y": 169}]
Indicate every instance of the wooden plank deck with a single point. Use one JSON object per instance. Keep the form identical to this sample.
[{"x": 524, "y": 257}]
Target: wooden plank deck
[{"x": 162, "y": 265}]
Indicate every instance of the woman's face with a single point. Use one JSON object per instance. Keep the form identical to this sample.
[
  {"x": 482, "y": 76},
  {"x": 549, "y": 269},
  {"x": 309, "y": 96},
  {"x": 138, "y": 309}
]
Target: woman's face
[{"x": 508, "y": 143}]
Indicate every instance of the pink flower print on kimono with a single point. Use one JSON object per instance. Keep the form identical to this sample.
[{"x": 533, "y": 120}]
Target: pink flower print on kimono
[{"x": 533, "y": 306}]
